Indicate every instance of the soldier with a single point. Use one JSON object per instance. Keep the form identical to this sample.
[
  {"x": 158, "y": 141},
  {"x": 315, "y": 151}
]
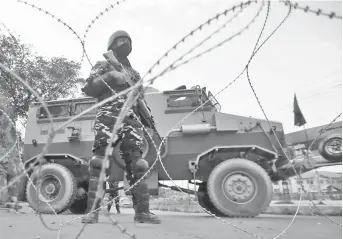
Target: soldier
[
  {"x": 113, "y": 185},
  {"x": 130, "y": 133}
]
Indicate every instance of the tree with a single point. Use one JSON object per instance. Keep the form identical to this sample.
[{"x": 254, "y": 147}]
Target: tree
[
  {"x": 10, "y": 163},
  {"x": 51, "y": 78}
]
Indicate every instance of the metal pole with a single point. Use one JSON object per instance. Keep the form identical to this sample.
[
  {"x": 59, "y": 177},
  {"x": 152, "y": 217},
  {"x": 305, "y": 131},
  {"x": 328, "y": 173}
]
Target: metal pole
[
  {"x": 318, "y": 186},
  {"x": 307, "y": 147}
]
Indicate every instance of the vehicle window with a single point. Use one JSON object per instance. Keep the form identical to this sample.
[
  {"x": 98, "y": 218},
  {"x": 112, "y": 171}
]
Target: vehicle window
[
  {"x": 55, "y": 111},
  {"x": 80, "y": 107},
  {"x": 183, "y": 101}
]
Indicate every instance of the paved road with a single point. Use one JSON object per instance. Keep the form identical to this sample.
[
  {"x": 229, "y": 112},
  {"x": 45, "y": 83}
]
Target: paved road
[{"x": 175, "y": 226}]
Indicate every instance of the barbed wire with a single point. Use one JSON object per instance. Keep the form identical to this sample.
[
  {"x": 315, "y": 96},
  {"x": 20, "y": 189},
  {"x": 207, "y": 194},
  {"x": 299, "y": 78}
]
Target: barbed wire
[
  {"x": 40, "y": 156},
  {"x": 318, "y": 12},
  {"x": 173, "y": 66},
  {"x": 29, "y": 179},
  {"x": 280, "y": 145},
  {"x": 192, "y": 32},
  {"x": 132, "y": 98},
  {"x": 77, "y": 116},
  {"x": 118, "y": 122},
  {"x": 97, "y": 17},
  {"x": 84, "y": 53},
  {"x": 59, "y": 20},
  {"x": 109, "y": 87},
  {"x": 246, "y": 69},
  {"x": 298, "y": 207},
  {"x": 323, "y": 130},
  {"x": 314, "y": 95}
]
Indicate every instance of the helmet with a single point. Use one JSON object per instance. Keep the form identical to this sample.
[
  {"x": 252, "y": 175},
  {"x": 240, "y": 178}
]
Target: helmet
[{"x": 115, "y": 36}]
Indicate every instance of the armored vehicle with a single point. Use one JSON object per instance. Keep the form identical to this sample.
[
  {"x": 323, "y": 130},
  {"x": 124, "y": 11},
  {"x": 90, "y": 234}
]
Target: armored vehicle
[{"x": 233, "y": 159}]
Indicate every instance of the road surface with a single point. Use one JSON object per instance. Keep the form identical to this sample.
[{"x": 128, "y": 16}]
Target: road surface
[{"x": 175, "y": 225}]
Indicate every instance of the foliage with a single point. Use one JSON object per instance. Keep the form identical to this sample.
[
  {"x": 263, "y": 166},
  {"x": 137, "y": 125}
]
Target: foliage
[
  {"x": 51, "y": 78},
  {"x": 10, "y": 166}
]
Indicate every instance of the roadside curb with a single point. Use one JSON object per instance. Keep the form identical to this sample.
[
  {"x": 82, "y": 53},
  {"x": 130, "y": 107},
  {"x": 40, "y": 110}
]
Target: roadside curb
[
  {"x": 308, "y": 210},
  {"x": 272, "y": 209}
]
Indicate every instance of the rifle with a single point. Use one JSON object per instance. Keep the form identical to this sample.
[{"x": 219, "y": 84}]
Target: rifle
[{"x": 142, "y": 108}]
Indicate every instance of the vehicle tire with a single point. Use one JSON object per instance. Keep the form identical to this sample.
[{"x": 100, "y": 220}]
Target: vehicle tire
[
  {"x": 56, "y": 186},
  {"x": 240, "y": 188},
  {"x": 205, "y": 202},
  {"x": 330, "y": 148},
  {"x": 79, "y": 206}
]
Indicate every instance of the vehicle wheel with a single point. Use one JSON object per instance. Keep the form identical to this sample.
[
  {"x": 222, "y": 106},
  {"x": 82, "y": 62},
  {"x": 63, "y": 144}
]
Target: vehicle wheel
[
  {"x": 331, "y": 148},
  {"x": 240, "y": 188},
  {"x": 205, "y": 202},
  {"x": 56, "y": 186},
  {"x": 79, "y": 206}
]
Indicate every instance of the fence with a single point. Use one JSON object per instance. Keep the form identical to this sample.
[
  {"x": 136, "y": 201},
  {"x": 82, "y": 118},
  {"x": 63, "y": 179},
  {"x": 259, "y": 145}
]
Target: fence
[{"x": 308, "y": 196}]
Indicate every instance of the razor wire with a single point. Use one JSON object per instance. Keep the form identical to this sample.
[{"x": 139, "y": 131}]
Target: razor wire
[
  {"x": 128, "y": 103},
  {"x": 50, "y": 137},
  {"x": 111, "y": 98},
  {"x": 83, "y": 41},
  {"x": 246, "y": 69},
  {"x": 273, "y": 132},
  {"x": 318, "y": 12},
  {"x": 280, "y": 145},
  {"x": 29, "y": 179},
  {"x": 102, "y": 13},
  {"x": 194, "y": 176},
  {"x": 114, "y": 138}
]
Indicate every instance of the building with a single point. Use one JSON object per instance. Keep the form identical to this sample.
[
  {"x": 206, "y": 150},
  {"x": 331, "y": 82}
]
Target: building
[{"x": 313, "y": 181}]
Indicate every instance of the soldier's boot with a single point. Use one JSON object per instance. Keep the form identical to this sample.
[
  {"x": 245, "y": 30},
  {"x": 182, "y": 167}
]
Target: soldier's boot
[
  {"x": 142, "y": 212},
  {"x": 118, "y": 207},
  {"x": 141, "y": 196},
  {"x": 94, "y": 171},
  {"x": 92, "y": 216},
  {"x": 109, "y": 206}
]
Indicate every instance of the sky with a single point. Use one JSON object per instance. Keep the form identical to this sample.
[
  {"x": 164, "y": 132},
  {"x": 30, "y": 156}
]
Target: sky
[{"x": 304, "y": 56}]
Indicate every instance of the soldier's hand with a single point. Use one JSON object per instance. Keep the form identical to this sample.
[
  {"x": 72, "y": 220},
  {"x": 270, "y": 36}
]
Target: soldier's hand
[{"x": 119, "y": 77}]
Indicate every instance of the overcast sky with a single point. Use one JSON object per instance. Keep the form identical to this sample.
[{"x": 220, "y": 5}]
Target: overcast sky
[{"x": 303, "y": 57}]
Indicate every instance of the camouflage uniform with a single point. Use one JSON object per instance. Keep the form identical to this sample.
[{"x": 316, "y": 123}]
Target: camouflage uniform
[
  {"x": 113, "y": 185},
  {"x": 130, "y": 146},
  {"x": 8, "y": 172}
]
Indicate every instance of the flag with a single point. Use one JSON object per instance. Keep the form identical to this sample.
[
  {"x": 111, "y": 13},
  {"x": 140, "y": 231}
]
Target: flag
[{"x": 299, "y": 119}]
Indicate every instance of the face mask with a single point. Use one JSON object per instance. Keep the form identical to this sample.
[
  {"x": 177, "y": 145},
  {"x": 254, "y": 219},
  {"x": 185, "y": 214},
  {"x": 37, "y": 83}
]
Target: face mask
[{"x": 123, "y": 50}]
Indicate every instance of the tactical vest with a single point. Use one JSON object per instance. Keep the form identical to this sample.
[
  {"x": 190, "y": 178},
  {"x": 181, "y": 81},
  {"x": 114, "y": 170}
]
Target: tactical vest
[{"x": 118, "y": 88}]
